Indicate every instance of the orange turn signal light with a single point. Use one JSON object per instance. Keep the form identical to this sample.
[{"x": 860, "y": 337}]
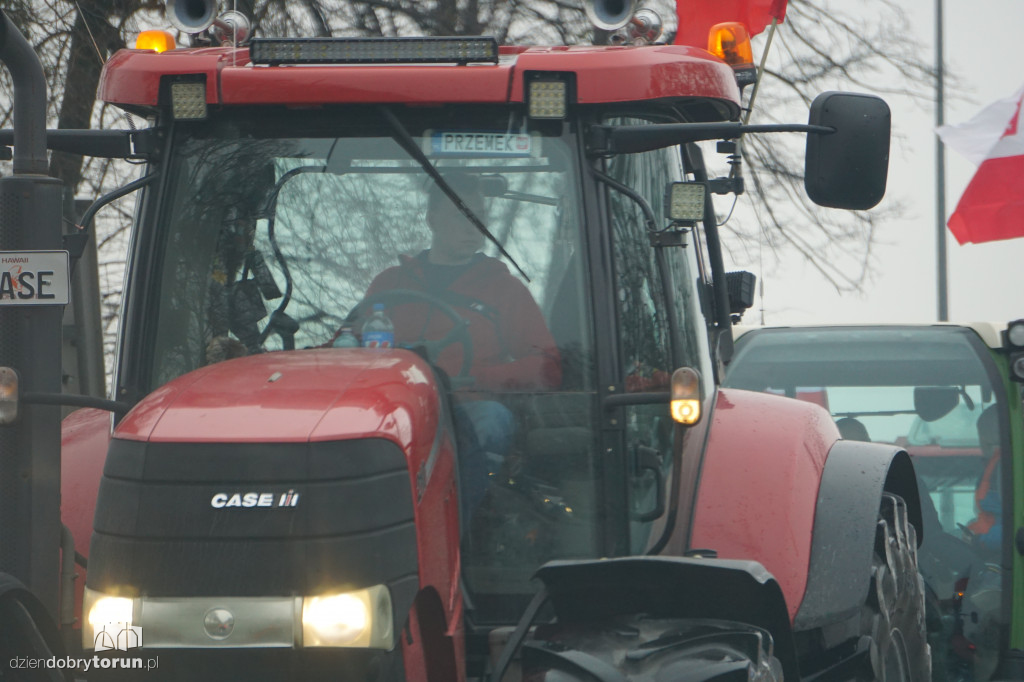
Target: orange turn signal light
[
  {"x": 685, "y": 402},
  {"x": 730, "y": 41},
  {"x": 8, "y": 396},
  {"x": 158, "y": 41}
]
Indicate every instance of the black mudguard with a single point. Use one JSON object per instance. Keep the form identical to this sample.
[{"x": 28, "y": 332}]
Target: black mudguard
[
  {"x": 28, "y": 636},
  {"x": 729, "y": 599},
  {"x": 843, "y": 542}
]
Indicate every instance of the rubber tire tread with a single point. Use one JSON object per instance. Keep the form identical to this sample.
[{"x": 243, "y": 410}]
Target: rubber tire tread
[{"x": 893, "y": 616}]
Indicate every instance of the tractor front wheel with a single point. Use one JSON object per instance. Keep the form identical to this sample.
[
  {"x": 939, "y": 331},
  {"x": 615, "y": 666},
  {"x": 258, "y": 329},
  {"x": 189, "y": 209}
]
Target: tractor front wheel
[{"x": 893, "y": 617}]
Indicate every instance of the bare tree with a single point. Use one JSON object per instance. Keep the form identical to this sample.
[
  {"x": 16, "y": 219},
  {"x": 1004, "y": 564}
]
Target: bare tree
[{"x": 822, "y": 46}]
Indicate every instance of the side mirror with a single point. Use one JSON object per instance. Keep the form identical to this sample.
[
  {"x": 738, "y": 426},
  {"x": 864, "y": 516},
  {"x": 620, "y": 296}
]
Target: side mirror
[
  {"x": 935, "y": 402},
  {"x": 848, "y": 168}
]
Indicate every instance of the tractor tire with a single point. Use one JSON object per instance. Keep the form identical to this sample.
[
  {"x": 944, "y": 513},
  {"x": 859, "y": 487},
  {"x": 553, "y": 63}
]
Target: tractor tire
[
  {"x": 641, "y": 648},
  {"x": 893, "y": 616}
]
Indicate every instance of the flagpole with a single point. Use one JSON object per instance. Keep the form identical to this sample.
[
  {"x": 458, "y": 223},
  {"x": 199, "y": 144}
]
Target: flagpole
[{"x": 940, "y": 174}]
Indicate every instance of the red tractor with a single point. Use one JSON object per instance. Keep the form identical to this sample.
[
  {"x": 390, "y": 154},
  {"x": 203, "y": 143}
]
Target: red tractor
[{"x": 580, "y": 502}]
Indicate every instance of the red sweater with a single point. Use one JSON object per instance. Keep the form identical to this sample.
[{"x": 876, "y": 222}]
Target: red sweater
[{"x": 512, "y": 347}]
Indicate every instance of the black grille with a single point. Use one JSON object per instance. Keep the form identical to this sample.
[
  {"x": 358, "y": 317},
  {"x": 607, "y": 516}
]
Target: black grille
[{"x": 170, "y": 519}]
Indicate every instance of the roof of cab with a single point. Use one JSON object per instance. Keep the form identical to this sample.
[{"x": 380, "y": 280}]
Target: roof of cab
[
  {"x": 603, "y": 75},
  {"x": 990, "y": 332}
]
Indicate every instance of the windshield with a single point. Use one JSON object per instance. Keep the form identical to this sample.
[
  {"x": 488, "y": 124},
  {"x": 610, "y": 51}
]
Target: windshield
[
  {"x": 317, "y": 218},
  {"x": 274, "y": 231},
  {"x": 935, "y": 392},
  {"x": 871, "y": 382}
]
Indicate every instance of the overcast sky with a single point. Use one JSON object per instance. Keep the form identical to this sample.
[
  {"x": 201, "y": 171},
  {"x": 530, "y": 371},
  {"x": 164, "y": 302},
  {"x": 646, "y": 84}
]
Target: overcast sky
[{"x": 982, "y": 47}]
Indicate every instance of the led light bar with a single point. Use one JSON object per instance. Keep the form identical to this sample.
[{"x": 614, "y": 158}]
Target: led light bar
[{"x": 275, "y": 51}]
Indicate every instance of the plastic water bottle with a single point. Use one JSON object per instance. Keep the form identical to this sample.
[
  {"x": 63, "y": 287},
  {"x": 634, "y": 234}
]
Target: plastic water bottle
[
  {"x": 378, "y": 331},
  {"x": 347, "y": 338}
]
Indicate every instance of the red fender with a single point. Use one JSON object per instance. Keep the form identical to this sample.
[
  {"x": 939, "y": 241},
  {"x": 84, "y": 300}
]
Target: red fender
[
  {"x": 759, "y": 484},
  {"x": 85, "y": 436}
]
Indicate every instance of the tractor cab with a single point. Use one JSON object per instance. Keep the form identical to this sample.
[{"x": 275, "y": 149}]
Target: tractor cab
[{"x": 272, "y": 231}]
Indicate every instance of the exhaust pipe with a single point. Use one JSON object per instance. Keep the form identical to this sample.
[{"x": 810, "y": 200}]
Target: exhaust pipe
[
  {"x": 610, "y": 15},
  {"x": 625, "y": 22},
  {"x": 198, "y": 16},
  {"x": 29, "y": 100},
  {"x": 191, "y": 16}
]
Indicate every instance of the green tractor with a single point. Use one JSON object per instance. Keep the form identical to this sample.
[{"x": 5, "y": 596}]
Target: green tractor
[{"x": 951, "y": 396}]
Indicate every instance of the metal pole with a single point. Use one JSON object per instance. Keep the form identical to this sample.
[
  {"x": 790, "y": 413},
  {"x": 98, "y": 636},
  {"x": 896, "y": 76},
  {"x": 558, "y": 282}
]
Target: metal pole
[
  {"x": 940, "y": 174},
  {"x": 30, "y": 336}
]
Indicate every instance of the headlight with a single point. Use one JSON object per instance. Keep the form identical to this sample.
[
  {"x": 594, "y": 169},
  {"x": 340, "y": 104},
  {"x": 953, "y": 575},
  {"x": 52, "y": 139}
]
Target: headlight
[
  {"x": 105, "y": 613},
  {"x": 1015, "y": 334},
  {"x": 350, "y": 619}
]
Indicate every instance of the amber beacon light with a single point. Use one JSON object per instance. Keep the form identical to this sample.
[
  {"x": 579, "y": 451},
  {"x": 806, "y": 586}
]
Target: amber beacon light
[
  {"x": 730, "y": 41},
  {"x": 158, "y": 41}
]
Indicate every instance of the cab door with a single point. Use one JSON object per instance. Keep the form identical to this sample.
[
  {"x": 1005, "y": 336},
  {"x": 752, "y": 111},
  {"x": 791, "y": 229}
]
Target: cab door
[{"x": 659, "y": 327}]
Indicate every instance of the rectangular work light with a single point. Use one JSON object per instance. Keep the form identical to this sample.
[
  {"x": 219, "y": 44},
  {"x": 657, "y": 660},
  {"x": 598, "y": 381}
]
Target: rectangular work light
[
  {"x": 373, "y": 50},
  {"x": 684, "y": 201},
  {"x": 188, "y": 100},
  {"x": 548, "y": 99}
]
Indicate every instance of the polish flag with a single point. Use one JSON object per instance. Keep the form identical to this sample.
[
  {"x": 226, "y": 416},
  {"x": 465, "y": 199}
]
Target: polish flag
[
  {"x": 696, "y": 17},
  {"x": 992, "y": 206}
]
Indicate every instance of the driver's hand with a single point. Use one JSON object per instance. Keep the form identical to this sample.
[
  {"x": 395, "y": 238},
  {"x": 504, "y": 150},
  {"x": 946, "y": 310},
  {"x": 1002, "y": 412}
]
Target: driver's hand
[{"x": 222, "y": 348}]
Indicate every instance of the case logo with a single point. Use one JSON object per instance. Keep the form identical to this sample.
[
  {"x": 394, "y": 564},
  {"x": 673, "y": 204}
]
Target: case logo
[{"x": 223, "y": 500}]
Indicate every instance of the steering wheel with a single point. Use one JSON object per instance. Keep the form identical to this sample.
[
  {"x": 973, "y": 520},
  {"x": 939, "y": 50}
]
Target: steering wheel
[{"x": 458, "y": 334}]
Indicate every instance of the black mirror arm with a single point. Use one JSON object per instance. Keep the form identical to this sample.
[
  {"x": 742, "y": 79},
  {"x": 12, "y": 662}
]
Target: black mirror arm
[
  {"x": 105, "y": 144},
  {"x": 646, "y": 398},
  {"x": 72, "y": 400},
  {"x": 75, "y": 242},
  {"x": 604, "y": 139},
  {"x": 95, "y": 206}
]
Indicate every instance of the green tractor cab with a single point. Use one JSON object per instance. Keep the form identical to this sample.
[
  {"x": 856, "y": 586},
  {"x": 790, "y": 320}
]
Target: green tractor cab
[{"x": 951, "y": 396}]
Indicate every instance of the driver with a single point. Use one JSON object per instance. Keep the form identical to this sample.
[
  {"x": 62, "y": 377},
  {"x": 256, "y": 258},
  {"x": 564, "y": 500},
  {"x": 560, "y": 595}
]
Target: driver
[
  {"x": 987, "y": 528},
  {"x": 512, "y": 347}
]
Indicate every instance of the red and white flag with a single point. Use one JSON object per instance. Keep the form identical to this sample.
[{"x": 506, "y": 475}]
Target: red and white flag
[
  {"x": 992, "y": 206},
  {"x": 696, "y": 17}
]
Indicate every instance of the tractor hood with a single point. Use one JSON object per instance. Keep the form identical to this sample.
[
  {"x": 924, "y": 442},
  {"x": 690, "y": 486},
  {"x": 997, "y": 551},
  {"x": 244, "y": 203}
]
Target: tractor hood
[{"x": 296, "y": 396}]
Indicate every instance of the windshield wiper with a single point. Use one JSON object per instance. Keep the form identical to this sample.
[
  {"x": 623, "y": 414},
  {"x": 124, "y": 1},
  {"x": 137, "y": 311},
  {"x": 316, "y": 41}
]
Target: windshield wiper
[{"x": 403, "y": 138}]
